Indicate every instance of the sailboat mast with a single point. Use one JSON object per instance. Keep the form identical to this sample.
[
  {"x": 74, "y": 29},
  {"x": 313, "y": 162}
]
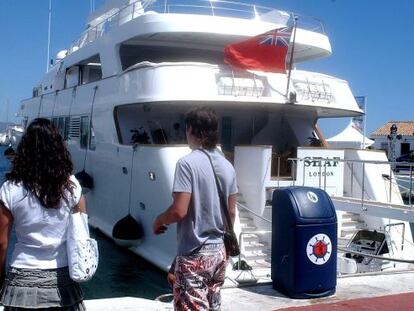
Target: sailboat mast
[{"x": 7, "y": 110}]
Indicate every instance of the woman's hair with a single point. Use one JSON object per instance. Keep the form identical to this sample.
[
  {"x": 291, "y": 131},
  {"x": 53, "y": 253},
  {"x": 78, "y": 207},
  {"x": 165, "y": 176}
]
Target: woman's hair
[
  {"x": 43, "y": 164},
  {"x": 204, "y": 126}
]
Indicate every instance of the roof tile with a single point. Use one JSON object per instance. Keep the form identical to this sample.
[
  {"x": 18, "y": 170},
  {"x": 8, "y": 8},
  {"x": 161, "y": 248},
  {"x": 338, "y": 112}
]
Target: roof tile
[{"x": 405, "y": 128}]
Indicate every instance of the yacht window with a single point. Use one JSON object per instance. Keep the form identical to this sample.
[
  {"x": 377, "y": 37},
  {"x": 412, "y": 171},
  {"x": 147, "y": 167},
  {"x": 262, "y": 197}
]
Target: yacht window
[
  {"x": 72, "y": 77},
  {"x": 91, "y": 73},
  {"x": 61, "y": 126},
  {"x": 67, "y": 128},
  {"x": 90, "y": 70},
  {"x": 133, "y": 54},
  {"x": 139, "y": 124},
  {"x": 86, "y": 71},
  {"x": 37, "y": 91},
  {"x": 84, "y": 138}
]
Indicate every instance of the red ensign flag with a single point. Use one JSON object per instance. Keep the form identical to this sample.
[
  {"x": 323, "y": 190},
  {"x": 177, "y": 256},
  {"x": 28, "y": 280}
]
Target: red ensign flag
[{"x": 265, "y": 52}]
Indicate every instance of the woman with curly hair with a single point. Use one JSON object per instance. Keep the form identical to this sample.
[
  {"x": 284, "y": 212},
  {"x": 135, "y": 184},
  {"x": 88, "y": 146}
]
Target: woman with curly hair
[{"x": 38, "y": 196}]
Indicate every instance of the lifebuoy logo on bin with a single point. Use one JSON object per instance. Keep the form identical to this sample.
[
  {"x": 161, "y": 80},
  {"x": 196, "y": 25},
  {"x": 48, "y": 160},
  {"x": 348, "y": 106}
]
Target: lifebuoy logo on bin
[
  {"x": 319, "y": 249},
  {"x": 312, "y": 196}
]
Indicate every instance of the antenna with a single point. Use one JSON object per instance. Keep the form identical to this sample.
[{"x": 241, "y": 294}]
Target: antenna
[
  {"x": 92, "y": 6},
  {"x": 48, "y": 36}
]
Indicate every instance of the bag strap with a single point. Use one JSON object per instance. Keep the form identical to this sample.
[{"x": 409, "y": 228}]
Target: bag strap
[{"x": 223, "y": 202}]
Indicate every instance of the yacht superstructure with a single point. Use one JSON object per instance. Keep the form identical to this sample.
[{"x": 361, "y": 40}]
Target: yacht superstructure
[{"x": 119, "y": 93}]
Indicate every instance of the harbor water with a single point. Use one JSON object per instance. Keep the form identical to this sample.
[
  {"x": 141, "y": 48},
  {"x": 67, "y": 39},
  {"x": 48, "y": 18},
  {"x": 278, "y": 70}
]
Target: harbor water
[{"x": 120, "y": 272}]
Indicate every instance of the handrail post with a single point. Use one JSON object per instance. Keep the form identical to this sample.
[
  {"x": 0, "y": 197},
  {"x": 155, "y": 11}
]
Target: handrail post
[
  {"x": 212, "y": 8},
  {"x": 324, "y": 179},
  {"x": 233, "y": 84},
  {"x": 240, "y": 243},
  {"x": 363, "y": 186},
  {"x": 389, "y": 199},
  {"x": 411, "y": 185},
  {"x": 320, "y": 174},
  {"x": 278, "y": 172},
  {"x": 303, "y": 183},
  {"x": 256, "y": 15},
  {"x": 352, "y": 179},
  {"x": 293, "y": 173}
]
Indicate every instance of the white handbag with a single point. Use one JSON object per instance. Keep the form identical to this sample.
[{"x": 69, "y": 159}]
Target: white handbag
[{"x": 83, "y": 255}]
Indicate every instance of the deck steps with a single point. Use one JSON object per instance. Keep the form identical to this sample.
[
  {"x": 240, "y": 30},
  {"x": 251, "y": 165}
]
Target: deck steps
[
  {"x": 255, "y": 255},
  {"x": 254, "y": 251},
  {"x": 351, "y": 223},
  {"x": 256, "y": 246}
]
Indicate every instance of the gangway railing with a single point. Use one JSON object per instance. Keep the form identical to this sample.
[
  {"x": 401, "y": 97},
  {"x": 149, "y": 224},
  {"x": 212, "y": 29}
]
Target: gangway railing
[
  {"x": 253, "y": 212},
  {"x": 392, "y": 179},
  {"x": 345, "y": 250}
]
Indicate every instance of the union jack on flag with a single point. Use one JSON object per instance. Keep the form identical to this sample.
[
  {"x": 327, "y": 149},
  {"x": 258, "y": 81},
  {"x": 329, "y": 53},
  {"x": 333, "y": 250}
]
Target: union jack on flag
[
  {"x": 264, "y": 52},
  {"x": 278, "y": 37}
]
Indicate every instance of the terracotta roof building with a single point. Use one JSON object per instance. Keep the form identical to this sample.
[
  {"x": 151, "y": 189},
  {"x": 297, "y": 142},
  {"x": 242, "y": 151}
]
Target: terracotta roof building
[
  {"x": 405, "y": 128},
  {"x": 402, "y": 143}
]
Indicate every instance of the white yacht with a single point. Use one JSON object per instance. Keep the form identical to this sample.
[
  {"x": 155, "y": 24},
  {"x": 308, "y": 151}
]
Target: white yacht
[
  {"x": 11, "y": 135},
  {"x": 119, "y": 94}
]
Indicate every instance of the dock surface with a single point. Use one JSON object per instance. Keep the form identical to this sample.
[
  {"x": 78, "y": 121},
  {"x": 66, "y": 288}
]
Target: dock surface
[
  {"x": 365, "y": 292},
  {"x": 358, "y": 287}
]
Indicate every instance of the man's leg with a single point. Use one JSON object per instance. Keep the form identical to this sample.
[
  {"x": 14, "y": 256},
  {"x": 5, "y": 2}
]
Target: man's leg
[
  {"x": 217, "y": 279},
  {"x": 190, "y": 288}
]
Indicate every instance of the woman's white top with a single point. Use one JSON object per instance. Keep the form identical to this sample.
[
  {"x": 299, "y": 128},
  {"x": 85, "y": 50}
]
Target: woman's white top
[{"x": 40, "y": 231}]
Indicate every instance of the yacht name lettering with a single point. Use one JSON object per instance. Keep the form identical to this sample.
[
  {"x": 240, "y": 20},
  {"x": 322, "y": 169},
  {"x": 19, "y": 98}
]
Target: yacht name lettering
[
  {"x": 315, "y": 174},
  {"x": 321, "y": 162}
]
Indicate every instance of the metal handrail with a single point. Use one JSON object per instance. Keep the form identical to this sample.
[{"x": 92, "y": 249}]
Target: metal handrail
[
  {"x": 254, "y": 213},
  {"x": 354, "y": 161},
  {"x": 402, "y": 233},
  {"x": 392, "y": 165},
  {"x": 344, "y": 250},
  {"x": 212, "y": 7}
]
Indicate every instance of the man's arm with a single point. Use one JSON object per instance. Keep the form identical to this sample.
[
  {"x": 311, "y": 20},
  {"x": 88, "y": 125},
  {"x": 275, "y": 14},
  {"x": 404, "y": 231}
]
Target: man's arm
[
  {"x": 231, "y": 207},
  {"x": 6, "y": 221},
  {"x": 174, "y": 213}
]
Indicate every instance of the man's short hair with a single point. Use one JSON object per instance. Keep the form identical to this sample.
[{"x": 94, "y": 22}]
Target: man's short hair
[{"x": 204, "y": 126}]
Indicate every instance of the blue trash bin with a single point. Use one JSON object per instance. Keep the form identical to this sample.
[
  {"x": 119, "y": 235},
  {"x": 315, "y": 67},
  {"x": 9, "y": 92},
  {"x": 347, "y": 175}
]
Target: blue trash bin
[{"x": 304, "y": 242}]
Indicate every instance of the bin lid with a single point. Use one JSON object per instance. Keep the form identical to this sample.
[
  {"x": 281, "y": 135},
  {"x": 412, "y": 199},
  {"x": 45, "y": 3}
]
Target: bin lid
[{"x": 312, "y": 203}]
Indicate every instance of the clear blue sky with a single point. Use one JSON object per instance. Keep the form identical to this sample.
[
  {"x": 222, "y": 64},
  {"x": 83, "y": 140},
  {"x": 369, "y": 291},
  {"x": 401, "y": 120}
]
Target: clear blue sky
[{"x": 372, "y": 43}]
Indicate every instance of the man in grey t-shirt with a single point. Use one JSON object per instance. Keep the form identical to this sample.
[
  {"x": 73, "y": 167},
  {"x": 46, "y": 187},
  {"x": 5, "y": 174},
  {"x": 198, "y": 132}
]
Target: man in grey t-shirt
[{"x": 197, "y": 211}]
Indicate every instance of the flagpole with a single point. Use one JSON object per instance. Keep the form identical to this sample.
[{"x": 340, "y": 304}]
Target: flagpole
[
  {"x": 295, "y": 18},
  {"x": 48, "y": 36},
  {"x": 365, "y": 120}
]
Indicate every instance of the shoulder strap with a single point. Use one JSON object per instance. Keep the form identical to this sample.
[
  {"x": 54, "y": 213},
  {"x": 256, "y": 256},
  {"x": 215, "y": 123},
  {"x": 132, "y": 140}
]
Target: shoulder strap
[{"x": 223, "y": 201}]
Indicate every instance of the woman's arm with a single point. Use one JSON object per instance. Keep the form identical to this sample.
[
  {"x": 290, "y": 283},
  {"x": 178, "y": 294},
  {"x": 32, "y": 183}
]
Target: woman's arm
[{"x": 6, "y": 221}]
